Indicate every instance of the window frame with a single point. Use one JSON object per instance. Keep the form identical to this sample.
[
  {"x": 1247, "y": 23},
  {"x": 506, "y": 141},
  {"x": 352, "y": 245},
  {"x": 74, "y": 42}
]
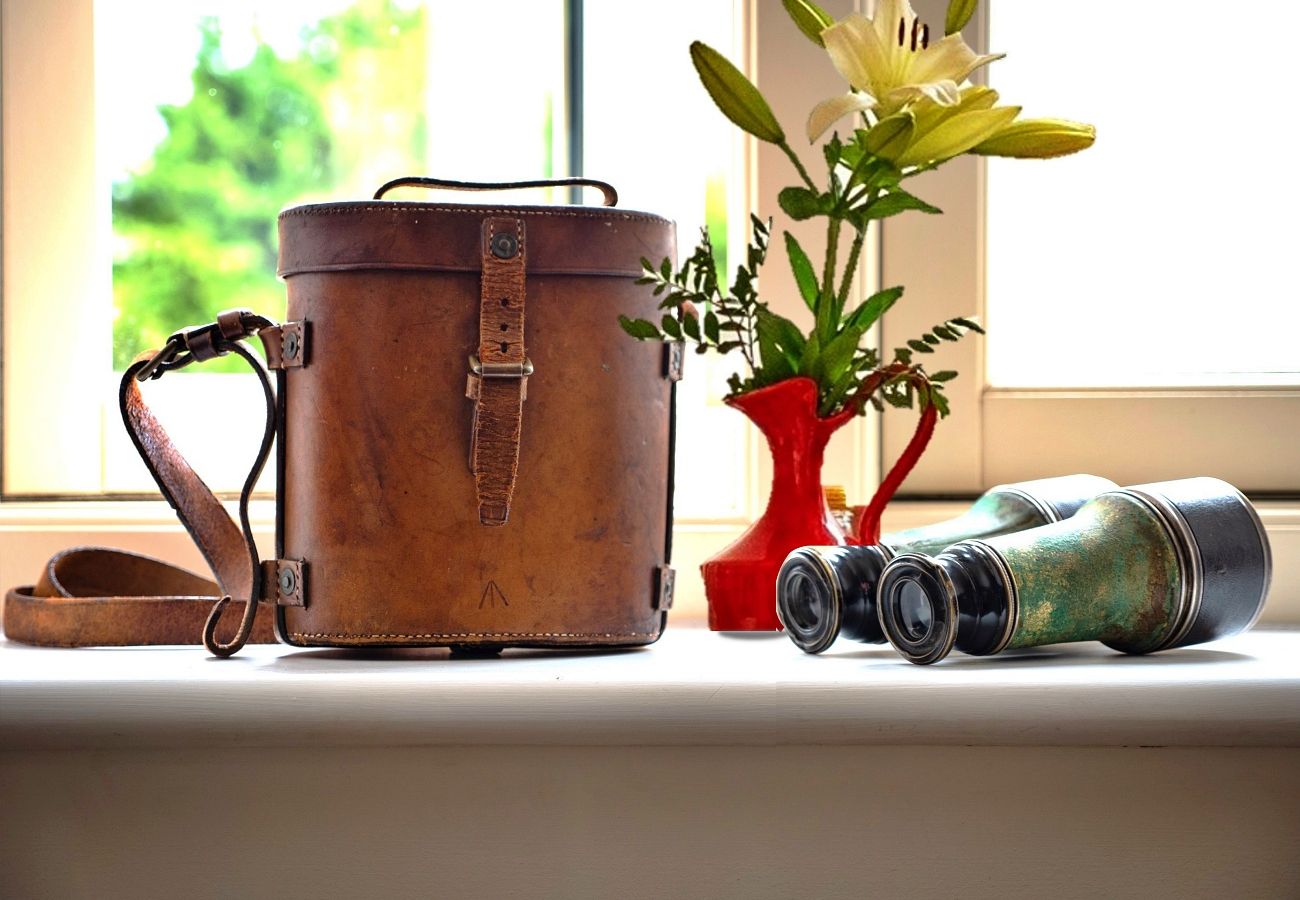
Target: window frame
[{"x": 996, "y": 435}]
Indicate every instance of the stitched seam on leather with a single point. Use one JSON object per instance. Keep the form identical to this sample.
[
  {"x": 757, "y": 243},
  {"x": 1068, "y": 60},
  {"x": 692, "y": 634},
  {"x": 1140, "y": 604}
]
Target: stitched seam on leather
[
  {"x": 488, "y": 634},
  {"x": 474, "y": 210}
]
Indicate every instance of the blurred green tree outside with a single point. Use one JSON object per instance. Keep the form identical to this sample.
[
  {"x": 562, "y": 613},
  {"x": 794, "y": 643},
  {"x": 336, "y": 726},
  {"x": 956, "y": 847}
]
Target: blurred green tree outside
[{"x": 195, "y": 227}]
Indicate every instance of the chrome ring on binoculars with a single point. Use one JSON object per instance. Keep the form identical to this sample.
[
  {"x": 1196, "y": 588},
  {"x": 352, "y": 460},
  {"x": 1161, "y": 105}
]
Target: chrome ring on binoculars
[
  {"x": 920, "y": 629},
  {"x": 1189, "y": 563},
  {"x": 812, "y": 630}
]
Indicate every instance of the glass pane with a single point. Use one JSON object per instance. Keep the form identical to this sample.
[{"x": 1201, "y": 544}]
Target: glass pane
[
  {"x": 241, "y": 108},
  {"x": 652, "y": 131},
  {"x": 1164, "y": 255}
]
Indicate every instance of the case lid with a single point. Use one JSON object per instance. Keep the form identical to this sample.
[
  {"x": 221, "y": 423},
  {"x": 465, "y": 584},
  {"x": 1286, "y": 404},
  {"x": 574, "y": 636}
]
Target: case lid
[{"x": 387, "y": 234}]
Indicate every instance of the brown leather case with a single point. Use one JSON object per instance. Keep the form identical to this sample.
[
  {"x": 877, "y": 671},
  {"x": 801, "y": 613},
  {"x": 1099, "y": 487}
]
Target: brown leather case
[{"x": 471, "y": 451}]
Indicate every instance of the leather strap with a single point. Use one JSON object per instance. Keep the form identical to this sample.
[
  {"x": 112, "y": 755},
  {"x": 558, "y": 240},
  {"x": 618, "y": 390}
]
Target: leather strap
[
  {"x": 96, "y": 597},
  {"x": 498, "y": 379},
  {"x": 90, "y": 596}
]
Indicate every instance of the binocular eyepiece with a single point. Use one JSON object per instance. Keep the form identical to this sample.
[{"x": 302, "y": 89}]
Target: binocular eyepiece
[
  {"x": 1141, "y": 569},
  {"x": 825, "y": 592}
]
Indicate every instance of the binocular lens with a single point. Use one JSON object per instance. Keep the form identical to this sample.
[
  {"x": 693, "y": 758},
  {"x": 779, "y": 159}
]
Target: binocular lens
[
  {"x": 914, "y": 610},
  {"x": 806, "y": 601}
]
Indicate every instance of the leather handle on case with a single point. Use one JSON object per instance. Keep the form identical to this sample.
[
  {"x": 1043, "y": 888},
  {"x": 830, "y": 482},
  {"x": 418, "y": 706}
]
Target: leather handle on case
[{"x": 607, "y": 190}]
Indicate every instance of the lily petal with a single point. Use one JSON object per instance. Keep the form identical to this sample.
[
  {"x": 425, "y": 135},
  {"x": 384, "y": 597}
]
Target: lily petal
[
  {"x": 944, "y": 93},
  {"x": 846, "y": 43},
  {"x": 949, "y": 59},
  {"x": 828, "y": 112},
  {"x": 888, "y": 14},
  {"x": 957, "y": 134}
]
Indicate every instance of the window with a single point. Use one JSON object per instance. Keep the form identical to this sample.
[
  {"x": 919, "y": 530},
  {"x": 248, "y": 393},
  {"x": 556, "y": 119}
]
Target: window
[
  {"x": 1170, "y": 276},
  {"x": 271, "y": 106}
]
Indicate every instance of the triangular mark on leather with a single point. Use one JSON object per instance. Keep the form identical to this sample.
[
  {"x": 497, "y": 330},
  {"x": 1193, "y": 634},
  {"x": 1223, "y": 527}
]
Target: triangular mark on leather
[{"x": 492, "y": 596}]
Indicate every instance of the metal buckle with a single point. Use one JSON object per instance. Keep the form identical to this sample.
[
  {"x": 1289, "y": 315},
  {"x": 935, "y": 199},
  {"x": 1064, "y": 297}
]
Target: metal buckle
[
  {"x": 499, "y": 370},
  {"x": 166, "y": 359}
]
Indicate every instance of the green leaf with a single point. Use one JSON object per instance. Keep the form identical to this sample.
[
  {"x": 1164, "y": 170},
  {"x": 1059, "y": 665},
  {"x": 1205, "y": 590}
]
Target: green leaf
[
  {"x": 735, "y": 95},
  {"x": 920, "y": 346},
  {"x": 948, "y": 334},
  {"x": 639, "y": 328},
  {"x": 970, "y": 324},
  {"x": 811, "y": 350},
  {"x": 873, "y": 308},
  {"x": 903, "y": 356},
  {"x": 835, "y": 359},
  {"x": 929, "y": 339},
  {"x": 802, "y": 267},
  {"x": 800, "y": 203},
  {"x": 940, "y": 403},
  {"x": 711, "y": 327},
  {"x": 945, "y": 375},
  {"x": 672, "y": 328},
  {"x": 898, "y": 201},
  {"x": 811, "y": 19},
  {"x": 691, "y": 326},
  {"x": 775, "y": 365},
  {"x": 833, "y": 151},
  {"x": 959, "y": 13},
  {"x": 782, "y": 331}
]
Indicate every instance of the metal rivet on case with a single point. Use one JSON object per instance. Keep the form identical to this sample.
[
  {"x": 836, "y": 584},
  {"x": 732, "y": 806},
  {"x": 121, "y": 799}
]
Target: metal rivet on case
[
  {"x": 504, "y": 245},
  {"x": 290, "y": 344},
  {"x": 288, "y": 581}
]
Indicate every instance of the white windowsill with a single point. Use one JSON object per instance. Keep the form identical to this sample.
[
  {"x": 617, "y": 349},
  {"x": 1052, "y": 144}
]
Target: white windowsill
[{"x": 693, "y": 688}]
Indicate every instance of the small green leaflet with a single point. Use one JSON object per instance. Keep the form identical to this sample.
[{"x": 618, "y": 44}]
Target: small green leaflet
[{"x": 639, "y": 328}]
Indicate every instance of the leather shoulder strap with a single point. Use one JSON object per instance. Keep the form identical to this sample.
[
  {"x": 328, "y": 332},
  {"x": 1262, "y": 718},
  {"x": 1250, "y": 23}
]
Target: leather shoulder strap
[
  {"x": 96, "y": 597},
  {"x": 89, "y": 596}
]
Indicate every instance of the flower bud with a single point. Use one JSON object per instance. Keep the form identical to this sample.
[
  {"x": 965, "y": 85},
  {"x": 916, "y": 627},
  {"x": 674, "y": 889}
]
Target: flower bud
[{"x": 1038, "y": 139}]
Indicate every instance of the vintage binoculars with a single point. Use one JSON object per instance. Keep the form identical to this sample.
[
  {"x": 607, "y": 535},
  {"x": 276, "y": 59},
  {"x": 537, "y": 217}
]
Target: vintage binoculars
[
  {"x": 823, "y": 592},
  {"x": 1140, "y": 568}
]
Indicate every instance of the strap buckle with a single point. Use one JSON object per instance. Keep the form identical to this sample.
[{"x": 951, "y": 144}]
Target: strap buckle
[
  {"x": 197, "y": 343},
  {"x": 499, "y": 369}
]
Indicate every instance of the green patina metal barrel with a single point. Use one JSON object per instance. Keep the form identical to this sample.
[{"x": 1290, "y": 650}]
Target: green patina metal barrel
[
  {"x": 1143, "y": 568},
  {"x": 823, "y": 592}
]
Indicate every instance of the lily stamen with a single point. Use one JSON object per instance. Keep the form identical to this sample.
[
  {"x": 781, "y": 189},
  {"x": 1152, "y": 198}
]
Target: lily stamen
[
  {"x": 925, "y": 37},
  {"x": 902, "y": 31},
  {"x": 916, "y": 32}
]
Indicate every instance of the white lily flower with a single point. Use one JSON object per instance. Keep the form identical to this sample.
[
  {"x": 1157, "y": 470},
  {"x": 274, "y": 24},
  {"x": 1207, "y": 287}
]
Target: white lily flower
[{"x": 891, "y": 63}]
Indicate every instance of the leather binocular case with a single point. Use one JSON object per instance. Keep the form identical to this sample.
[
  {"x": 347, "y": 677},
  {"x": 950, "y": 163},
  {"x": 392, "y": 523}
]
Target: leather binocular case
[
  {"x": 470, "y": 451},
  {"x": 825, "y": 592},
  {"x": 1142, "y": 568}
]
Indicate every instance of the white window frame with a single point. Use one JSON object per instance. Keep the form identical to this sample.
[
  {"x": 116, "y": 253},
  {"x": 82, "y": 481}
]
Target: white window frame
[
  {"x": 49, "y": 273},
  {"x": 1246, "y": 436}
]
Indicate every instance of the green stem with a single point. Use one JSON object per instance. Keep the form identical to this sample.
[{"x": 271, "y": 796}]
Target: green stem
[
  {"x": 826, "y": 318},
  {"x": 803, "y": 173},
  {"x": 849, "y": 269}
]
